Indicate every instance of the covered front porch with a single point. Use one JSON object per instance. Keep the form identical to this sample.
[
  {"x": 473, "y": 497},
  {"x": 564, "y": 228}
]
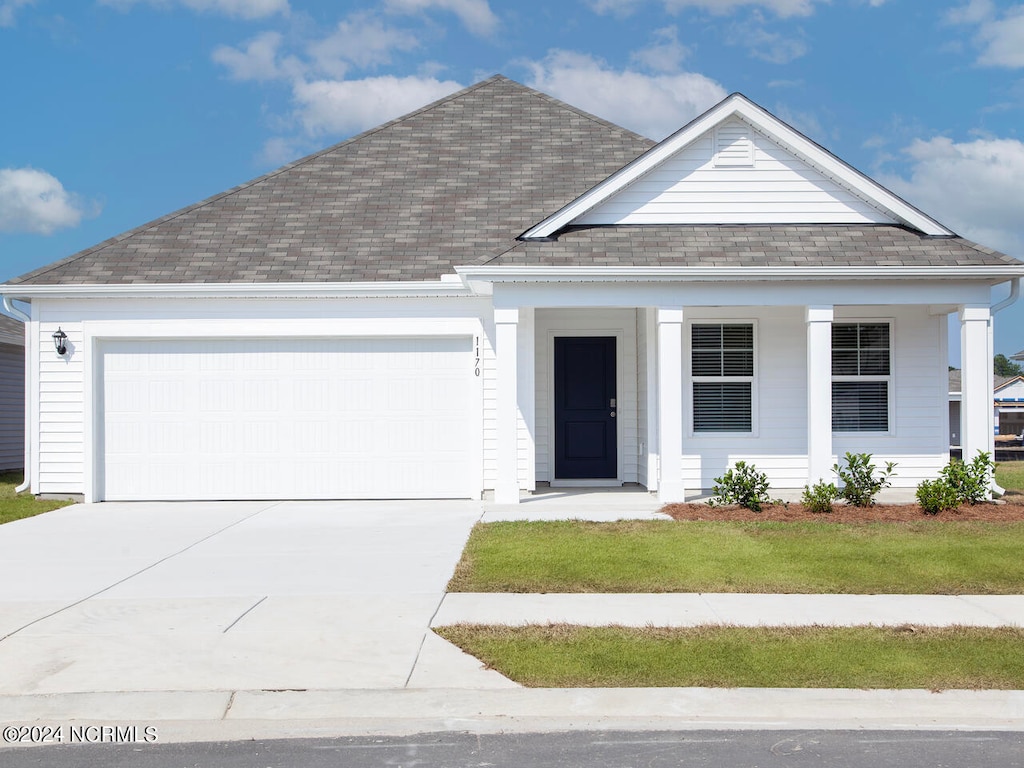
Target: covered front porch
[{"x": 610, "y": 384}]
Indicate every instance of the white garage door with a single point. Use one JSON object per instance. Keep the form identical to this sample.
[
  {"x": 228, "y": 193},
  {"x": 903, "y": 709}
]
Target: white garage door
[{"x": 288, "y": 419}]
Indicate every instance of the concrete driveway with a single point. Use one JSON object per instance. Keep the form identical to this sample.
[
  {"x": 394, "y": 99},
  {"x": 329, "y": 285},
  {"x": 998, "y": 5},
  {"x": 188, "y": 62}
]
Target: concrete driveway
[{"x": 229, "y": 596}]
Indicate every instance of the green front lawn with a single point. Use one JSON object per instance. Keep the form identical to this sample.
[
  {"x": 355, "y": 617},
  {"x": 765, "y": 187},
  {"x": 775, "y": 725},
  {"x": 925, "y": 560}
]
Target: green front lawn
[
  {"x": 669, "y": 556},
  {"x": 562, "y": 656},
  {"x": 14, "y": 506}
]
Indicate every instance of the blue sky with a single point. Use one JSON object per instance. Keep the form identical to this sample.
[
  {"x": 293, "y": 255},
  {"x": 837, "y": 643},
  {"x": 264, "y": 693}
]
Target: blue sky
[{"x": 115, "y": 112}]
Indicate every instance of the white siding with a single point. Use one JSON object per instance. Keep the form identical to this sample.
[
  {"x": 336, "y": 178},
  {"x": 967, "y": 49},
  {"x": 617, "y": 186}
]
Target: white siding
[
  {"x": 620, "y": 323},
  {"x": 12, "y": 406},
  {"x": 779, "y": 444},
  {"x": 61, "y": 411},
  {"x": 919, "y": 435},
  {"x": 692, "y": 188}
]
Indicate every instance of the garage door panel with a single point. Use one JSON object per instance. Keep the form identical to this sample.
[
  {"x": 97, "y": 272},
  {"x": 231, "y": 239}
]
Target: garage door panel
[{"x": 342, "y": 418}]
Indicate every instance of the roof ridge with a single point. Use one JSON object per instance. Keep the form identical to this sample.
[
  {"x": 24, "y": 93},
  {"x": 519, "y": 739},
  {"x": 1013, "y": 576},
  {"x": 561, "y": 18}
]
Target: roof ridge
[{"x": 99, "y": 247}]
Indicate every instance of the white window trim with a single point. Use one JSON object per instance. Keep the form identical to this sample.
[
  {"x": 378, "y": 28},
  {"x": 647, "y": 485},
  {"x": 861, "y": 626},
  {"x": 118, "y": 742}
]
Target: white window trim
[
  {"x": 889, "y": 380},
  {"x": 691, "y": 379}
]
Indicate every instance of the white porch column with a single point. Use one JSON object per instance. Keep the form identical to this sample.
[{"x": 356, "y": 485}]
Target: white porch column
[
  {"x": 506, "y": 353},
  {"x": 976, "y": 414},
  {"x": 819, "y": 393},
  {"x": 670, "y": 404},
  {"x": 526, "y": 395}
]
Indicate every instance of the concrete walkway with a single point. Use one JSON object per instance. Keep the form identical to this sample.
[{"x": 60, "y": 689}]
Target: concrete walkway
[{"x": 274, "y": 619}]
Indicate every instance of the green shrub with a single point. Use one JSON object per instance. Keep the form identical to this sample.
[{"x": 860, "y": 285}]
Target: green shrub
[
  {"x": 971, "y": 482},
  {"x": 742, "y": 485},
  {"x": 860, "y": 485},
  {"x": 936, "y": 496},
  {"x": 958, "y": 483},
  {"x": 820, "y": 497}
]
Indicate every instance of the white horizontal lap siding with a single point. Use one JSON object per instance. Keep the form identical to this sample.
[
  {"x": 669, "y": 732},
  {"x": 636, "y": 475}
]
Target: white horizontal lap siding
[
  {"x": 61, "y": 410},
  {"x": 918, "y": 439},
  {"x": 779, "y": 446},
  {"x": 288, "y": 418},
  {"x": 690, "y": 188},
  {"x": 12, "y": 406}
]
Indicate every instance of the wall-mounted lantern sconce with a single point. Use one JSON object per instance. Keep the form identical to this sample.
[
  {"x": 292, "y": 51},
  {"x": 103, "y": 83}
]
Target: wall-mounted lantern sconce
[{"x": 59, "y": 341}]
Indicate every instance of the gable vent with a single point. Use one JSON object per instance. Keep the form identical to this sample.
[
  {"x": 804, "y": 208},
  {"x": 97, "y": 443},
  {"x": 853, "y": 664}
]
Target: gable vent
[{"x": 734, "y": 145}]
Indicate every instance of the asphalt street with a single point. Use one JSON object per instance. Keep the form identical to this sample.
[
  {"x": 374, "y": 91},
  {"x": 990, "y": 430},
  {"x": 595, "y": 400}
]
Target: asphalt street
[{"x": 601, "y": 749}]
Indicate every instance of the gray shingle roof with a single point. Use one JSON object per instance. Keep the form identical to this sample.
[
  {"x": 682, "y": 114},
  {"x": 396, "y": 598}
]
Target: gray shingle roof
[
  {"x": 406, "y": 201},
  {"x": 454, "y": 184},
  {"x": 759, "y": 245},
  {"x": 12, "y": 331}
]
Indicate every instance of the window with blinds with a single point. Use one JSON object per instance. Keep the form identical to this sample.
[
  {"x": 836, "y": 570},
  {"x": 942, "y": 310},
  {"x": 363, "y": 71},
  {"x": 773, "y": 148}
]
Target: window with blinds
[
  {"x": 861, "y": 377},
  {"x": 722, "y": 366}
]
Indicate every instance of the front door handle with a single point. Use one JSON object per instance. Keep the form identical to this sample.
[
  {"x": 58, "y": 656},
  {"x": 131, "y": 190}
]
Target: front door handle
[{"x": 613, "y": 414}]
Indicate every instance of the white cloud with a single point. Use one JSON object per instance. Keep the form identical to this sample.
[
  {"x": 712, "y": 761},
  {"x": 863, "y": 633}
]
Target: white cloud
[
  {"x": 768, "y": 46},
  {"x": 245, "y": 9},
  {"x": 475, "y": 15},
  {"x": 652, "y": 105},
  {"x": 8, "y": 8},
  {"x": 784, "y": 8},
  {"x": 666, "y": 54},
  {"x": 618, "y": 7},
  {"x": 344, "y": 107},
  {"x": 257, "y": 61},
  {"x": 35, "y": 201},
  {"x": 976, "y": 188},
  {"x": 361, "y": 40},
  {"x": 1000, "y": 38},
  {"x": 974, "y": 12}
]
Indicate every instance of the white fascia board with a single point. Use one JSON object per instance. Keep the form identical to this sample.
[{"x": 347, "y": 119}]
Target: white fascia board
[
  {"x": 240, "y": 290},
  {"x": 763, "y": 121},
  {"x": 746, "y": 273}
]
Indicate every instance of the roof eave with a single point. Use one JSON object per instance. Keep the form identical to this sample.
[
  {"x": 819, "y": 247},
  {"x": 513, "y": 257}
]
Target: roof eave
[
  {"x": 502, "y": 274},
  {"x": 446, "y": 287}
]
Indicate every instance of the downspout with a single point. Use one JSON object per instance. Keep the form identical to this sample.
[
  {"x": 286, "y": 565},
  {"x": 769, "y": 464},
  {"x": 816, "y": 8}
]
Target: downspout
[
  {"x": 13, "y": 310},
  {"x": 1011, "y": 299}
]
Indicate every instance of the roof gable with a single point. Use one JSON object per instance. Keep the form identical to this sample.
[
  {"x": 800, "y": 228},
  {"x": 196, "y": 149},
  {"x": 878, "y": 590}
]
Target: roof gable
[
  {"x": 1012, "y": 388},
  {"x": 737, "y": 164}
]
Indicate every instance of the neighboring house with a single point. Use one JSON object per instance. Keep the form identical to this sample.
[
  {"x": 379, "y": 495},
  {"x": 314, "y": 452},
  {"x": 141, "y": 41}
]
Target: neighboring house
[
  {"x": 1007, "y": 406},
  {"x": 500, "y": 290},
  {"x": 12, "y": 393},
  {"x": 1018, "y": 356}
]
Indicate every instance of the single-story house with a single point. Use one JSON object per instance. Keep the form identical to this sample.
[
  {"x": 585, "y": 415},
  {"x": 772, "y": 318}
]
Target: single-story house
[
  {"x": 1007, "y": 406},
  {"x": 12, "y": 393},
  {"x": 500, "y": 290}
]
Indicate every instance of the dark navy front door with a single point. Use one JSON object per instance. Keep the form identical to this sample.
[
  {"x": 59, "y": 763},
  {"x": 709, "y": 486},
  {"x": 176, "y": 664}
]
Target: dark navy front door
[{"x": 585, "y": 408}]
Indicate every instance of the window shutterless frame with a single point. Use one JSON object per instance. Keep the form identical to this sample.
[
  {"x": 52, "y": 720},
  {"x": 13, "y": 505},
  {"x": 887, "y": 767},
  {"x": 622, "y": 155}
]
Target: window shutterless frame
[
  {"x": 723, "y": 370},
  {"x": 862, "y": 365}
]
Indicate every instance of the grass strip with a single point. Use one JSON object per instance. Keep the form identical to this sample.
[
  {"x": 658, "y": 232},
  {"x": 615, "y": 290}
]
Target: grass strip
[
  {"x": 564, "y": 656},
  {"x": 1010, "y": 475},
  {"x": 807, "y": 558},
  {"x": 15, "y": 506}
]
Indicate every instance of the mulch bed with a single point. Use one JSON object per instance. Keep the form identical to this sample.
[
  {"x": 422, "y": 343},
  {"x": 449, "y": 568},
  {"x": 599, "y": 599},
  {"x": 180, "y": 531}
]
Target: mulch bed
[{"x": 1011, "y": 511}]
